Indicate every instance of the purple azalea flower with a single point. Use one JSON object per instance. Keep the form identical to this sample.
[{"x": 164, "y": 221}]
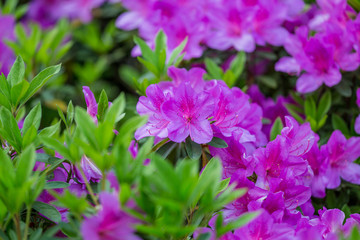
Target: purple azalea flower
[
  {"x": 92, "y": 173},
  {"x": 231, "y": 106},
  {"x": 313, "y": 56},
  {"x": 179, "y": 75},
  {"x": 188, "y": 114},
  {"x": 271, "y": 161},
  {"x": 300, "y": 138},
  {"x": 353, "y": 221},
  {"x": 48, "y": 12},
  {"x": 91, "y": 104},
  {"x": 7, "y": 26},
  {"x": 110, "y": 223},
  {"x": 333, "y": 220},
  {"x": 340, "y": 154},
  {"x": 267, "y": 20},
  {"x": 151, "y": 106},
  {"x": 234, "y": 157},
  {"x": 230, "y": 27},
  {"x": 316, "y": 161},
  {"x": 133, "y": 149},
  {"x": 264, "y": 227}
]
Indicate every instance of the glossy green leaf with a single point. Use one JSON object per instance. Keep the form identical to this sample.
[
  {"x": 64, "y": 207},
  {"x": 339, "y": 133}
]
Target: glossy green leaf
[
  {"x": 48, "y": 211},
  {"x": 218, "y": 143},
  {"x": 276, "y": 128},
  {"x": 17, "y": 72}
]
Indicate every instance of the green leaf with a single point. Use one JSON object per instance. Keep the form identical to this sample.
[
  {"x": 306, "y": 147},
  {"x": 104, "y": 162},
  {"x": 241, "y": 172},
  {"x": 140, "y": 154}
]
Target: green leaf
[
  {"x": 56, "y": 185},
  {"x": 209, "y": 178},
  {"x": 18, "y": 91},
  {"x": 30, "y": 136},
  {"x": 294, "y": 113},
  {"x": 32, "y": 119},
  {"x": 174, "y": 55},
  {"x": 70, "y": 113},
  {"x": 25, "y": 164},
  {"x": 17, "y": 72},
  {"x": 146, "y": 51},
  {"x": 324, "y": 105},
  {"x": 102, "y": 105},
  {"x": 339, "y": 123},
  {"x": 61, "y": 115},
  {"x": 218, "y": 143},
  {"x": 128, "y": 128},
  {"x": 114, "y": 113},
  {"x": 204, "y": 236},
  {"x": 48, "y": 211},
  {"x": 149, "y": 65},
  {"x": 238, "y": 64},
  {"x": 50, "y": 131},
  {"x": 160, "y": 44},
  {"x": 223, "y": 185},
  {"x": 214, "y": 70},
  {"x": 193, "y": 149},
  {"x": 229, "y": 78},
  {"x": 276, "y": 128},
  {"x": 39, "y": 81},
  {"x": 310, "y": 107},
  {"x": 86, "y": 125},
  {"x": 241, "y": 221},
  {"x": 57, "y": 146},
  {"x": 4, "y": 86},
  {"x": 9, "y": 129},
  {"x": 269, "y": 81},
  {"x": 355, "y": 234},
  {"x": 4, "y": 101}
]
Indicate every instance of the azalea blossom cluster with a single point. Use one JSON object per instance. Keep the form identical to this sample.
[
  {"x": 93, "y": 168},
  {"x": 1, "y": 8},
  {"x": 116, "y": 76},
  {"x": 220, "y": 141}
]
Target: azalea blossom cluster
[
  {"x": 316, "y": 58},
  {"x": 219, "y": 24},
  {"x": 190, "y": 106},
  {"x": 281, "y": 177},
  {"x": 47, "y": 13},
  {"x": 319, "y": 58}
]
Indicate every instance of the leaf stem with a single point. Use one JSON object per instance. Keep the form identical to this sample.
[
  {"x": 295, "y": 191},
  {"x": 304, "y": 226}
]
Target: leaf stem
[
  {"x": 28, "y": 213},
  {"x": 91, "y": 192},
  {"x": 16, "y": 220}
]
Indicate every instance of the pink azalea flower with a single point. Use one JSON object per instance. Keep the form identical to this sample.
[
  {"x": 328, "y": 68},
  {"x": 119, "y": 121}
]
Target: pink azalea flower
[
  {"x": 92, "y": 173},
  {"x": 230, "y": 27},
  {"x": 230, "y": 108},
  {"x": 340, "y": 154},
  {"x": 300, "y": 138},
  {"x": 110, "y": 223},
  {"x": 313, "y": 56},
  {"x": 264, "y": 227},
  {"x": 92, "y": 106},
  {"x": 188, "y": 114},
  {"x": 151, "y": 106},
  {"x": 48, "y": 12}
]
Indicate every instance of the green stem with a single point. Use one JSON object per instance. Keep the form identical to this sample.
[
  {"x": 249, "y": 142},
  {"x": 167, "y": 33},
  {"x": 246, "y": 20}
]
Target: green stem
[
  {"x": 28, "y": 214},
  {"x": 7, "y": 223},
  {"x": 16, "y": 219},
  {"x": 103, "y": 181},
  {"x": 159, "y": 145},
  {"x": 91, "y": 192}
]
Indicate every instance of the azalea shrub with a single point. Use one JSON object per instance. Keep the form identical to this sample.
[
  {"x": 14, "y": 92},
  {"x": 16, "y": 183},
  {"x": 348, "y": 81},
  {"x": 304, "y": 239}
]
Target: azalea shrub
[{"x": 181, "y": 119}]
